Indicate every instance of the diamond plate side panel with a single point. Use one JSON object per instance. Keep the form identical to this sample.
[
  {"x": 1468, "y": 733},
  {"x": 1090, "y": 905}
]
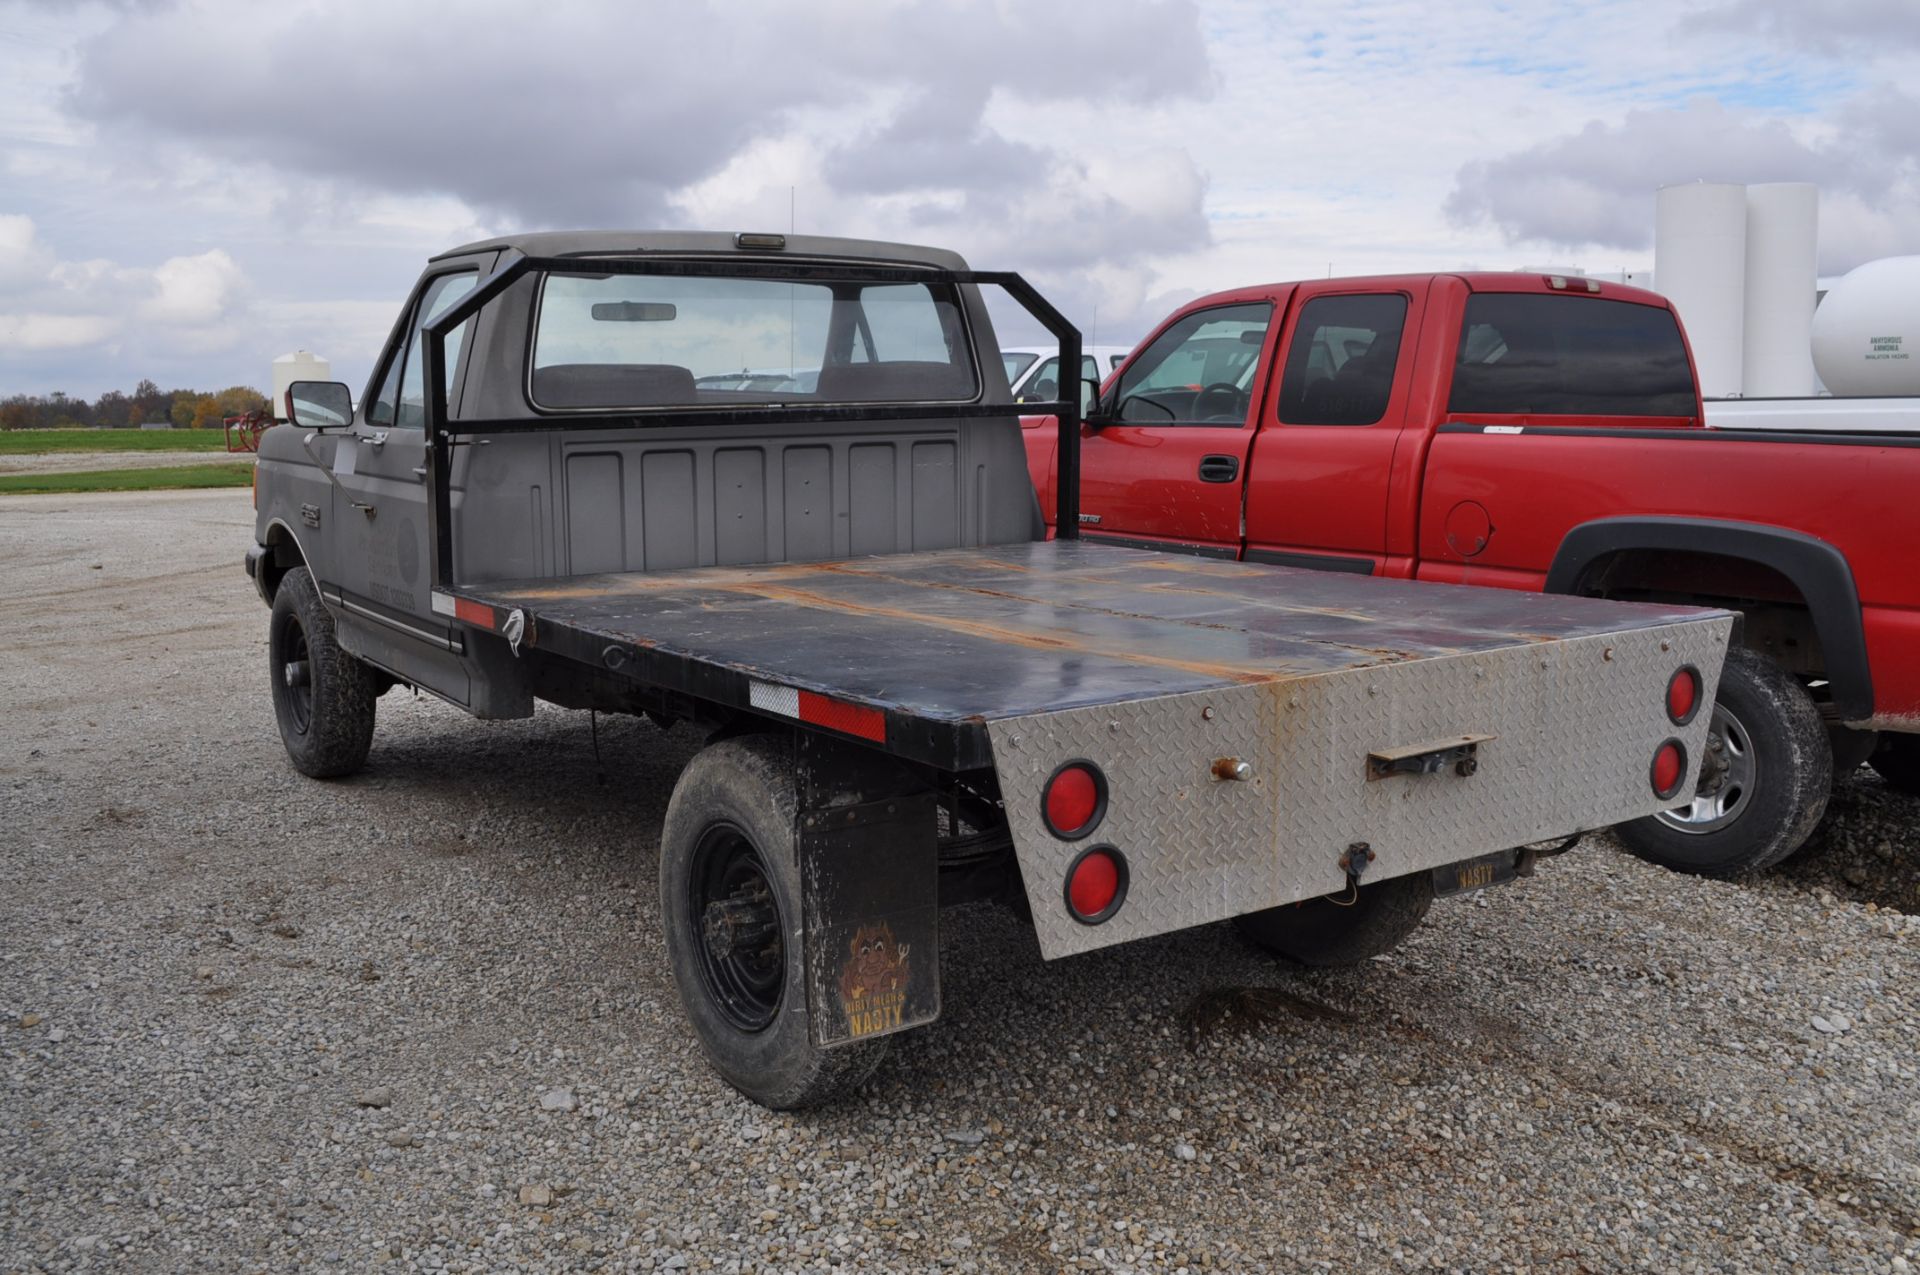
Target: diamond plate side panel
[
  {"x": 1196, "y": 847},
  {"x": 1575, "y": 726}
]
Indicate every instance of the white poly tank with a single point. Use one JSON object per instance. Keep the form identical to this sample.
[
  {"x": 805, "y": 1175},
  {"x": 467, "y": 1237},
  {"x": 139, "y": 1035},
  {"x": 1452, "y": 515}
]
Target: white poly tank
[
  {"x": 298, "y": 366},
  {"x": 1700, "y": 260},
  {"x": 1866, "y": 333},
  {"x": 1783, "y": 276}
]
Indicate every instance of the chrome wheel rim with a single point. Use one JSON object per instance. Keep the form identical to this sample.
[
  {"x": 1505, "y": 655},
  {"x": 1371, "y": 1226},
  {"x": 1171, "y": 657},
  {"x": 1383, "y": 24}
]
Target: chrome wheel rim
[{"x": 1728, "y": 770}]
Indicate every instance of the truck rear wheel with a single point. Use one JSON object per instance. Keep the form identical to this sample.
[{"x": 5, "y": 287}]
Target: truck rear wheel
[
  {"x": 322, "y": 697},
  {"x": 1898, "y": 761},
  {"x": 1328, "y": 931},
  {"x": 1764, "y": 781},
  {"x": 730, "y": 904}
]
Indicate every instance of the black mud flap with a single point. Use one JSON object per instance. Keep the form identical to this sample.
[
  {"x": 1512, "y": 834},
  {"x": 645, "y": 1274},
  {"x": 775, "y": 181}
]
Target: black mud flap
[{"x": 871, "y": 879}]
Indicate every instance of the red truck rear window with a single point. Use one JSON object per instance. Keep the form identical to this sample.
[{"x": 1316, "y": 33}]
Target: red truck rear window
[{"x": 1523, "y": 354}]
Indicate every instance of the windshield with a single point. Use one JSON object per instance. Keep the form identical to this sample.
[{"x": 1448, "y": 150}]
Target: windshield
[
  {"x": 1017, "y": 363},
  {"x": 621, "y": 341}
]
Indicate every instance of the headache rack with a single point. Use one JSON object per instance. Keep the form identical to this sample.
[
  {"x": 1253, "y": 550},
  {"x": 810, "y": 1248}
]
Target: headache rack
[{"x": 444, "y": 434}]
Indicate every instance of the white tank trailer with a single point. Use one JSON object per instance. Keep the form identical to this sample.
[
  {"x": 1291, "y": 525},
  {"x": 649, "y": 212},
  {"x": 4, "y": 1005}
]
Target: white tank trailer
[{"x": 298, "y": 366}]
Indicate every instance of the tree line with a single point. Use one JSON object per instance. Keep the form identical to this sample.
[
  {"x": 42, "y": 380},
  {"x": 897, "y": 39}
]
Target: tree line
[{"x": 187, "y": 409}]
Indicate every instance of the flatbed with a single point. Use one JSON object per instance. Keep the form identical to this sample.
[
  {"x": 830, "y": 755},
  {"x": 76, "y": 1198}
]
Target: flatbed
[
  {"x": 945, "y": 642},
  {"x": 911, "y": 696}
]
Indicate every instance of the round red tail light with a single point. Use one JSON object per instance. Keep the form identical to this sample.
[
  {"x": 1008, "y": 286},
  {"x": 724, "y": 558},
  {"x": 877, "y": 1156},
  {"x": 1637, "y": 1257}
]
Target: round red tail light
[
  {"x": 1096, "y": 884},
  {"x": 1683, "y": 695},
  {"x": 1074, "y": 800},
  {"x": 1669, "y": 767}
]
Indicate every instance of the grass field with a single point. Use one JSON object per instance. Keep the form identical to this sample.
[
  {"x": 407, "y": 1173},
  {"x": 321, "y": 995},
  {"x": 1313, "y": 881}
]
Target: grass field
[
  {"x": 17, "y": 442},
  {"x": 221, "y": 474}
]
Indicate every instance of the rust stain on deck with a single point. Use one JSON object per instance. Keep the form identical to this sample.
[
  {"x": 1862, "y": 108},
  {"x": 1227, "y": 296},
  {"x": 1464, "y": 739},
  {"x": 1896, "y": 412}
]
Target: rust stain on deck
[{"x": 1065, "y": 644}]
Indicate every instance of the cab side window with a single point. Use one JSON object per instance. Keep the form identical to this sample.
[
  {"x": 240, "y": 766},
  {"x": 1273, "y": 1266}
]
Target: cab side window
[
  {"x": 411, "y": 409},
  {"x": 1045, "y": 385},
  {"x": 1341, "y": 363},
  {"x": 1199, "y": 371}
]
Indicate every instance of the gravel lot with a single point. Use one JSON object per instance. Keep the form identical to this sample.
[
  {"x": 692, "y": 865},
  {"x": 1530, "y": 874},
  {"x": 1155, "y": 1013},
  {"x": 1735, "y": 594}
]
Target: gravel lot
[{"x": 421, "y": 1019}]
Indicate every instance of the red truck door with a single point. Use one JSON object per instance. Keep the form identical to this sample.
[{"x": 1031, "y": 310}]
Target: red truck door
[
  {"x": 1322, "y": 466},
  {"x": 1169, "y": 464}
]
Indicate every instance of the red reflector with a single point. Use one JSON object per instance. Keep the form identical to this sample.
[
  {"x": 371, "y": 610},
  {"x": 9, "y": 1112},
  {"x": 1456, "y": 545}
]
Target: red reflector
[
  {"x": 1096, "y": 885},
  {"x": 1075, "y": 799},
  {"x": 849, "y": 719},
  {"x": 1683, "y": 696},
  {"x": 473, "y": 613},
  {"x": 1669, "y": 764}
]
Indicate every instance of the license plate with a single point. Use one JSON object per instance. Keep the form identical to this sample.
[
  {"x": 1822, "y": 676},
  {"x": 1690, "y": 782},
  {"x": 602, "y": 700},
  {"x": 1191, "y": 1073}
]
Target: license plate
[{"x": 1476, "y": 874}]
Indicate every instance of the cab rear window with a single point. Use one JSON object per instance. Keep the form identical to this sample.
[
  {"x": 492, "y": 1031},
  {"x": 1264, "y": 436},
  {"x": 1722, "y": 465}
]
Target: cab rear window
[
  {"x": 1524, "y": 354},
  {"x": 620, "y": 341}
]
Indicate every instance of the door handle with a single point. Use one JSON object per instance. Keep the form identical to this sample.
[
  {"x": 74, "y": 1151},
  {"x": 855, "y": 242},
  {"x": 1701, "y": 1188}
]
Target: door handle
[{"x": 1219, "y": 469}]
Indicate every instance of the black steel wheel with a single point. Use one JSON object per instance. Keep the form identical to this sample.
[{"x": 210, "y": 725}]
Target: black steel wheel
[
  {"x": 323, "y": 698},
  {"x": 1343, "y": 929},
  {"x": 730, "y": 909},
  {"x": 1765, "y": 778},
  {"x": 742, "y": 949}
]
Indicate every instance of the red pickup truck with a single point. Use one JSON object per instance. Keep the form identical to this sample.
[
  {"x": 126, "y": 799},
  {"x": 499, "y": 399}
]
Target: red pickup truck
[{"x": 1537, "y": 432}]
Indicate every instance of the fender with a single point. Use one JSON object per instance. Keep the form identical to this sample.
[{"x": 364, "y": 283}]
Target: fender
[{"x": 1815, "y": 568}]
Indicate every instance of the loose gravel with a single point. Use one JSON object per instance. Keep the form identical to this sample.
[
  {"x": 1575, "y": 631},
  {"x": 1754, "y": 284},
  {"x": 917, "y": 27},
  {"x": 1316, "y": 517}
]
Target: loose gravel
[{"x": 421, "y": 1020}]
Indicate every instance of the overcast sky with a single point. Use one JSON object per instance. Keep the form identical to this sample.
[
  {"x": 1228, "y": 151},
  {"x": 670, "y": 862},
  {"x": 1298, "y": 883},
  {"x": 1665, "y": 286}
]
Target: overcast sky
[{"x": 189, "y": 189}]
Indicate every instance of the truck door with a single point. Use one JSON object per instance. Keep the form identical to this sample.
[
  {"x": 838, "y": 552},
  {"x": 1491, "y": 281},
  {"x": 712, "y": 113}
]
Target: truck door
[
  {"x": 385, "y": 552},
  {"x": 1167, "y": 467},
  {"x": 1322, "y": 461}
]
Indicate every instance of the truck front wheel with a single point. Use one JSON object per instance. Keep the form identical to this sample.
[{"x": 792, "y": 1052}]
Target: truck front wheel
[
  {"x": 322, "y": 697},
  {"x": 1343, "y": 930},
  {"x": 730, "y": 904},
  {"x": 1898, "y": 761},
  {"x": 1764, "y": 781}
]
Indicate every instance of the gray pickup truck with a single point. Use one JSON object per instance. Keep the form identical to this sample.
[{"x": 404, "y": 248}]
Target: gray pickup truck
[{"x": 558, "y": 486}]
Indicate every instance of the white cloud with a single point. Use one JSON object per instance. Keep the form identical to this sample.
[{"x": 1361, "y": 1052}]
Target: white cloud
[{"x": 184, "y": 304}]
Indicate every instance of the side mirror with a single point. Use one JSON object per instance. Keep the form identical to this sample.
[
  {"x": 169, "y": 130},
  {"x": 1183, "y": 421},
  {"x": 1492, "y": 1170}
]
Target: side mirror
[
  {"x": 319, "y": 404},
  {"x": 1090, "y": 402}
]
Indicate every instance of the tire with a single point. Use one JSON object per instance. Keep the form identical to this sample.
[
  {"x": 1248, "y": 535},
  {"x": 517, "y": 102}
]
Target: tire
[
  {"x": 322, "y": 697},
  {"x": 1764, "y": 784},
  {"x": 730, "y": 834},
  {"x": 1321, "y": 932},
  {"x": 1898, "y": 762}
]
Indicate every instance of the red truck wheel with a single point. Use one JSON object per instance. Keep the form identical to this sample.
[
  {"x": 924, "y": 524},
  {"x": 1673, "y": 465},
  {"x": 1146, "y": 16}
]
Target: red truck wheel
[
  {"x": 1898, "y": 761},
  {"x": 1330, "y": 931},
  {"x": 1764, "y": 780},
  {"x": 730, "y": 907}
]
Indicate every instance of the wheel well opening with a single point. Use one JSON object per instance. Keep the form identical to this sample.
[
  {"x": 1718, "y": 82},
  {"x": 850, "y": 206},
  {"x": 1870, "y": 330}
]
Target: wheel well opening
[
  {"x": 283, "y": 555},
  {"x": 1777, "y": 620}
]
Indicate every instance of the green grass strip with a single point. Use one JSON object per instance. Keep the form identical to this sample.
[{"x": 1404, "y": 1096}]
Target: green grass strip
[
  {"x": 165, "y": 478},
  {"x": 18, "y": 442}
]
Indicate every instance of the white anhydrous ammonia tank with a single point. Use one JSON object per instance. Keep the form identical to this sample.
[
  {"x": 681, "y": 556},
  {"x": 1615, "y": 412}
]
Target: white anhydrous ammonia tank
[
  {"x": 298, "y": 366},
  {"x": 1783, "y": 275},
  {"x": 1700, "y": 261},
  {"x": 1866, "y": 334}
]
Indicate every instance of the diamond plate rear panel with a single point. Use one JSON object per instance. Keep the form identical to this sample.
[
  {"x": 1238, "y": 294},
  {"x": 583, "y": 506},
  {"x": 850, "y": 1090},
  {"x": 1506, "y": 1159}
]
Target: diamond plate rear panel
[{"x": 1574, "y": 723}]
